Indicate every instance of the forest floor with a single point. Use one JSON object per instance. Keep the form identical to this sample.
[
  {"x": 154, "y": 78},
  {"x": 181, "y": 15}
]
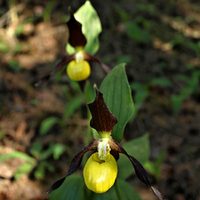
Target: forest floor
[{"x": 163, "y": 43}]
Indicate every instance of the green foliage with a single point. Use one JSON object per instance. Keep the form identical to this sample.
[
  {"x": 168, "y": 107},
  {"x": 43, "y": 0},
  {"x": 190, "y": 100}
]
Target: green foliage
[
  {"x": 192, "y": 84},
  {"x": 19, "y": 29},
  {"x": 47, "y": 124},
  {"x": 48, "y": 9},
  {"x": 149, "y": 8},
  {"x": 74, "y": 188},
  {"x": 124, "y": 59},
  {"x": 41, "y": 169},
  {"x": 26, "y": 167},
  {"x": 17, "y": 154},
  {"x": 14, "y": 66},
  {"x": 126, "y": 191},
  {"x": 91, "y": 28},
  {"x": 155, "y": 169},
  {"x": 139, "y": 149},
  {"x": 54, "y": 149},
  {"x": 117, "y": 95},
  {"x": 4, "y": 48},
  {"x": 136, "y": 33},
  {"x": 142, "y": 92}
]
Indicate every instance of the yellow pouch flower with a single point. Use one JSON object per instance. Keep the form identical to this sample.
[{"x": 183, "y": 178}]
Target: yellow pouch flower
[
  {"x": 100, "y": 175},
  {"x": 78, "y": 71}
]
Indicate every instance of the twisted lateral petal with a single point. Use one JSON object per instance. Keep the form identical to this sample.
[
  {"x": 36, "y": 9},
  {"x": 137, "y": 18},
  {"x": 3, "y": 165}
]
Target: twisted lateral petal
[
  {"x": 75, "y": 163},
  {"x": 58, "y": 67},
  {"x": 100, "y": 175},
  {"x": 139, "y": 169},
  {"x": 78, "y": 71},
  {"x": 89, "y": 57}
]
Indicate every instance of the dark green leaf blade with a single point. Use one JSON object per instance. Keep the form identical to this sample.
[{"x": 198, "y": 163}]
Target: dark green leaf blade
[
  {"x": 72, "y": 188},
  {"x": 139, "y": 146},
  {"x": 117, "y": 95},
  {"x": 126, "y": 191}
]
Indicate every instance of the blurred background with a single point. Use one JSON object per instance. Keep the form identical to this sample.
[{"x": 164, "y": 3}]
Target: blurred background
[{"x": 41, "y": 129}]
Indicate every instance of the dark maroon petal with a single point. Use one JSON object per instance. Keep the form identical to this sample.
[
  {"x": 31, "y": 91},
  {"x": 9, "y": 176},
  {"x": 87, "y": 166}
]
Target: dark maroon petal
[
  {"x": 76, "y": 37},
  {"x": 58, "y": 67},
  {"x": 75, "y": 164},
  {"x": 89, "y": 57},
  {"x": 139, "y": 169},
  {"x": 102, "y": 119},
  {"x": 115, "y": 154}
]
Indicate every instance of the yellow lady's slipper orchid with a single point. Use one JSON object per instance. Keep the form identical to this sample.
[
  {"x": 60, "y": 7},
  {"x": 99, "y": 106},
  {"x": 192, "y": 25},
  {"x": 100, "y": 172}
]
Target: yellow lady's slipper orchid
[
  {"x": 78, "y": 68},
  {"x": 100, "y": 171},
  {"x": 100, "y": 175}
]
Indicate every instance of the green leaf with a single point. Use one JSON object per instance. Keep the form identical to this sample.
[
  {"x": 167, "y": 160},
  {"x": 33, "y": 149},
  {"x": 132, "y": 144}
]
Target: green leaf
[
  {"x": 71, "y": 189},
  {"x": 126, "y": 191},
  {"x": 91, "y": 28},
  {"x": 89, "y": 92},
  {"x": 41, "y": 169},
  {"x": 47, "y": 124},
  {"x": 36, "y": 149},
  {"x": 137, "y": 34},
  {"x": 117, "y": 96},
  {"x": 139, "y": 149},
  {"x": 58, "y": 151},
  {"x": 4, "y": 48},
  {"x": 23, "y": 169},
  {"x": 161, "y": 82},
  {"x": 70, "y": 109},
  {"x": 17, "y": 154},
  {"x": 159, "y": 163}
]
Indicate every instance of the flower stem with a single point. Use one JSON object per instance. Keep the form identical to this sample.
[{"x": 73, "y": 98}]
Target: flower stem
[{"x": 117, "y": 190}]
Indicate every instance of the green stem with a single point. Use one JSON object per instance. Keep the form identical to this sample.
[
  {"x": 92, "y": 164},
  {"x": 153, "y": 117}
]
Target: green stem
[
  {"x": 89, "y": 133},
  {"x": 117, "y": 190}
]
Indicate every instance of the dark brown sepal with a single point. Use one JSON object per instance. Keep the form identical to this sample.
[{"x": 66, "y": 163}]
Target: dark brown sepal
[
  {"x": 89, "y": 57},
  {"x": 139, "y": 169},
  {"x": 75, "y": 163},
  {"x": 58, "y": 67},
  {"x": 76, "y": 37},
  {"x": 102, "y": 119}
]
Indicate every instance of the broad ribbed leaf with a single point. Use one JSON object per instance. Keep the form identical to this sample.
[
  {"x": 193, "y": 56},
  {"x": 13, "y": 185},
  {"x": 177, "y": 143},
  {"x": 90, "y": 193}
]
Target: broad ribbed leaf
[
  {"x": 117, "y": 95},
  {"x": 71, "y": 189},
  {"x": 91, "y": 28},
  {"x": 126, "y": 191},
  {"x": 139, "y": 149}
]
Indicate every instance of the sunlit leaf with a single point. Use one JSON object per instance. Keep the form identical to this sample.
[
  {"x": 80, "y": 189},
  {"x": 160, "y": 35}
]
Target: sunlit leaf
[
  {"x": 17, "y": 154},
  {"x": 58, "y": 151},
  {"x": 117, "y": 95},
  {"x": 91, "y": 28},
  {"x": 139, "y": 149},
  {"x": 23, "y": 169}
]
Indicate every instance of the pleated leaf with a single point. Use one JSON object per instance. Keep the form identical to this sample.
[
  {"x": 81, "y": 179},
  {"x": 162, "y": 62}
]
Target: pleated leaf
[
  {"x": 117, "y": 95},
  {"x": 71, "y": 189},
  {"x": 139, "y": 149}
]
